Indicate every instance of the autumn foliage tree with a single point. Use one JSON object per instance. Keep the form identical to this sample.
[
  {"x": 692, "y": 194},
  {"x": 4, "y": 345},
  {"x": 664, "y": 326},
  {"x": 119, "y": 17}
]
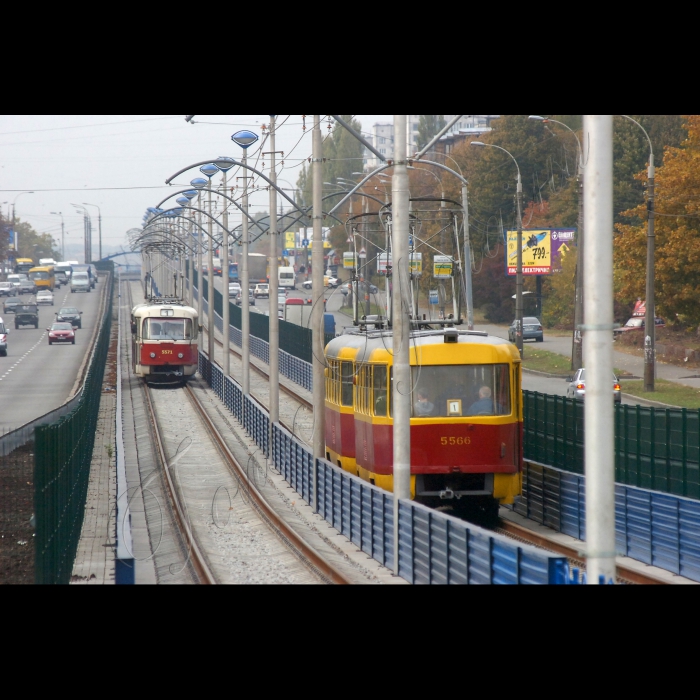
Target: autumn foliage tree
[{"x": 677, "y": 234}]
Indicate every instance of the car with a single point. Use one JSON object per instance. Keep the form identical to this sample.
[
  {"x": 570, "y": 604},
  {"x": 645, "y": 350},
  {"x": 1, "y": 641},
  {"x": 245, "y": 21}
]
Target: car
[
  {"x": 261, "y": 290},
  {"x": 26, "y": 314},
  {"x": 251, "y": 298},
  {"x": 334, "y": 282},
  {"x": 637, "y": 323},
  {"x": 69, "y": 314},
  {"x": 306, "y": 285},
  {"x": 281, "y": 301},
  {"x": 532, "y": 329},
  {"x": 44, "y": 296},
  {"x": 373, "y": 289},
  {"x": 3, "y": 338},
  {"x": 61, "y": 333},
  {"x": 22, "y": 284},
  {"x": 233, "y": 289},
  {"x": 577, "y": 386},
  {"x": 7, "y": 289},
  {"x": 10, "y": 304},
  {"x": 80, "y": 282}
]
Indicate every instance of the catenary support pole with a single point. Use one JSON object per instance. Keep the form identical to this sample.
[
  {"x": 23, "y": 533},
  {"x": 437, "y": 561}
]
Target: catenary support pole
[
  {"x": 467, "y": 261},
  {"x": 401, "y": 394},
  {"x": 274, "y": 330},
  {"x": 598, "y": 308},
  {"x": 200, "y": 282},
  {"x": 210, "y": 285},
  {"x": 317, "y": 298}
]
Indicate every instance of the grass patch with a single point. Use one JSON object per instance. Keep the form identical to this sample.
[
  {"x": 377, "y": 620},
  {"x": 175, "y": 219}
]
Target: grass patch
[
  {"x": 373, "y": 309},
  {"x": 666, "y": 392},
  {"x": 543, "y": 361}
]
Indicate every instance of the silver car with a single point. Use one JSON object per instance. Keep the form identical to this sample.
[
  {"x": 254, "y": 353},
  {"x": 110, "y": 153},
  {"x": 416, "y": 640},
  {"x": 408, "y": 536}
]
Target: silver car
[
  {"x": 577, "y": 386},
  {"x": 532, "y": 330}
]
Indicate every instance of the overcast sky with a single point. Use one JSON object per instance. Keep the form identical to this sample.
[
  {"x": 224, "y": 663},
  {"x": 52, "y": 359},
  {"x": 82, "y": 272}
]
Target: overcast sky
[{"x": 120, "y": 163}]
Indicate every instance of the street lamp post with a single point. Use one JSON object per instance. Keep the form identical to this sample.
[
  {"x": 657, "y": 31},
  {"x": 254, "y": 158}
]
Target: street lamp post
[
  {"x": 577, "y": 344},
  {"x": 210, "y": 170},
  {"x": 63, "y": 235},
  {"x": 273, "y": 289},
  {"x": 650, "y": 316},
  {"x": 245, "y": 139},
  {"x": 99, "y": 227},
  {"x": 14, "y": 232},
  {"x": 519, "y": 272},
  {"x": 87, "y": 232}
]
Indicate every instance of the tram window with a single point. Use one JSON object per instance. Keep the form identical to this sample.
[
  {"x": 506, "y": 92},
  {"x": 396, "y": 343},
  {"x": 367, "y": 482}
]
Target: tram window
[
  {"x": 347, "y": 373},
  {"x": 380, "y": 390},
  {"x": 473, "y": 389},
  {"x": 170, "y": 329}
]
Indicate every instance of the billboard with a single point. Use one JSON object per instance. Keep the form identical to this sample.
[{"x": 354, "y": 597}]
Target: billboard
[
  {"x": 543, "y": 250},
  {"x": 289, "y": 240}
]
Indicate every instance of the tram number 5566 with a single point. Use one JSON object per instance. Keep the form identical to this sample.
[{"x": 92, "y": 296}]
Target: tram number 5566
[{"x": 455, "y": 441}]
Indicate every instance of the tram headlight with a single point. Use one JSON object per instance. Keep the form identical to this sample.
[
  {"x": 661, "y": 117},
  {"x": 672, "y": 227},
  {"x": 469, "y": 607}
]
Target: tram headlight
[
  {"x": 153, "y": 354},
  {"x": 180, "y": 355}
]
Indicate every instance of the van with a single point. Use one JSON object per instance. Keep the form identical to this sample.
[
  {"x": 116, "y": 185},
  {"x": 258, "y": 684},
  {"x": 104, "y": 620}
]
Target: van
[
  {"x": 286, "y": 278},
  {"x": 80, "y": 282}
]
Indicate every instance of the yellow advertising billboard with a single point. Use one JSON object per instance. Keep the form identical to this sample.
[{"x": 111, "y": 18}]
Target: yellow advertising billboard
[
  {"x": 289, "y": 242},
  {"x": 542, "y": 250}
]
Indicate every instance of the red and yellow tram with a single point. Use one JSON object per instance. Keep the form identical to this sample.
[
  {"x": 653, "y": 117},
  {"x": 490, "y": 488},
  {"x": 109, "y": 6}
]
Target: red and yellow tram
[
  {"x": 164, "y": 342},
  {"x": 466, "y": 418}
]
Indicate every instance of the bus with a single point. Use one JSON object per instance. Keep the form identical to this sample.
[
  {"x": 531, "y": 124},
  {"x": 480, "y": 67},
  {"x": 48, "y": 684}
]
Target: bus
[
  {"x": 43, "y": 277},
  {"x": 23, "y": 265}
]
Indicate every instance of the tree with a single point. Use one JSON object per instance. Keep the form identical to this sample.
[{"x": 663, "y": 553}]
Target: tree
[
  {"x": 677, "y": 234},
  {"x": 429, "y": 125}
]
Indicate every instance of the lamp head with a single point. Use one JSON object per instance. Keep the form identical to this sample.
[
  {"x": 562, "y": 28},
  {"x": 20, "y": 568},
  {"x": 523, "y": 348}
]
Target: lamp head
[
  {"x": 224, "y": 163},
  {"x": 537, "y": 118},
  {"x": 209, "y": 170},
  {"x": 182, "y": 201},
  {"x": 478, "y": 143},
  {"x": 244, "y": 138},
  {"x": 199, "y": 183}
]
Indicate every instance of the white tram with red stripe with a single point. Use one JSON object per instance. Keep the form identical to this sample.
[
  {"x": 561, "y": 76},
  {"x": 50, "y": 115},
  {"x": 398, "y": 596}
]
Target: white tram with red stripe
[{"x": 164, "y": 337}]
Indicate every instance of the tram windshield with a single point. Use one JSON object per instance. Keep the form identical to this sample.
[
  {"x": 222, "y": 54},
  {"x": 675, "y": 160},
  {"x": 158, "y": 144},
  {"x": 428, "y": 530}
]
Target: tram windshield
[
  {"x": 167, "y": 329},
  {"x": 460, "y": 390}
]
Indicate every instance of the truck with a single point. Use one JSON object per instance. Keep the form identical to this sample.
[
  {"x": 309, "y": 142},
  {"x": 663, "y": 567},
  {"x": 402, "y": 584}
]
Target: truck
[{"x": 257, "y": 269}]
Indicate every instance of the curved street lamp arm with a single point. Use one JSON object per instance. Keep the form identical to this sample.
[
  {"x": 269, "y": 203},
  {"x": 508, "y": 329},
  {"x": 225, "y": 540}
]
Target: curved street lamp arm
[
  {"x": 651, "y": 149},
  {"x": 159, "y": 232},
  {"x": 214, "y": 219},
  {"x": 235, "y": 162}
]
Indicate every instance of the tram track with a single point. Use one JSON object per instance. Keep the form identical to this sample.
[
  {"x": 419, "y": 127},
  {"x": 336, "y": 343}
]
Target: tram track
[{"x": 198, "y": 484}]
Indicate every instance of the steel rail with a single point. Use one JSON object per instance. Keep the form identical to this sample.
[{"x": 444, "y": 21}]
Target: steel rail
[
  {"x": 199, "y": 564},
  {"x": 623, "y": 573},
  {"x": 303, "y": 550}
]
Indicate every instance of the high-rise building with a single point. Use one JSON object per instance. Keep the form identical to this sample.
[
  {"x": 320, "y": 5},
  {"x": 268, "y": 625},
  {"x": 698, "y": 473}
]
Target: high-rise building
[{"x": 382, "y": 134}]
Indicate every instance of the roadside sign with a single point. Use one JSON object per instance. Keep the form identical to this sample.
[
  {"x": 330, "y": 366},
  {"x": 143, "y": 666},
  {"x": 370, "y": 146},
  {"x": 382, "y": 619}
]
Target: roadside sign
[
  {"x": 433, "y": 296},
  {"x": 305, "y": 243},
  {"x": 442, "y": 267}
]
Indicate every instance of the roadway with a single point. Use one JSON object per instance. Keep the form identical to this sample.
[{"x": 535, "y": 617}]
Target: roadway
[
  {"x": 559, "y": 344},
  {"x": 35, "y": 378}
]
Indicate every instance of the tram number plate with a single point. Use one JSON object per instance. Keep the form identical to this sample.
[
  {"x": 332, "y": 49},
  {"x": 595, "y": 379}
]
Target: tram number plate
[
  {"x": 166, "y": 352},
  {"x": 455, "y": 440}
]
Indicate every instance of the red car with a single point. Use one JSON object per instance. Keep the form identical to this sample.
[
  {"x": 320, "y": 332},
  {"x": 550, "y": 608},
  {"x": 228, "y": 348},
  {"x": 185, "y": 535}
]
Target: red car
[{"x": 61, "y": 333}]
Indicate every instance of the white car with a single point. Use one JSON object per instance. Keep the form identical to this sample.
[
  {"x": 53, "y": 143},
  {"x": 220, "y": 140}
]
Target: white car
[
  {"x": 44, "y": 296},
  {"x": 233, "y": 289}
]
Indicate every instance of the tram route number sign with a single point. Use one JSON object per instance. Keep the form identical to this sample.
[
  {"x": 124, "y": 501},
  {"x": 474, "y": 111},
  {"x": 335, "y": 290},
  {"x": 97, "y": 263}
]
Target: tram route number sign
[{"x": 542, "y": 250}]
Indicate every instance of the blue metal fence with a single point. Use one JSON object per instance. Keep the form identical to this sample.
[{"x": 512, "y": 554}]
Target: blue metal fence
[{"x": 433, "y": 547}]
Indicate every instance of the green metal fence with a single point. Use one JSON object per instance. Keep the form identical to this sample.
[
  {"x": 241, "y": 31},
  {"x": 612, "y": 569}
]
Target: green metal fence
[
  {"x": 655, "y": 448},
  {"x": 63, "y": 453}
]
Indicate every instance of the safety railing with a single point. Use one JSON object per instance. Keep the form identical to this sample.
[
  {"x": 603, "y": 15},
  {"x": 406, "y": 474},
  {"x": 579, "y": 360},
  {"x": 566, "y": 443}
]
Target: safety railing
[
  {"x": 655, "y": 448},
  {"x": 63, "y": 453},
  {"x": 433, "y": 547}
]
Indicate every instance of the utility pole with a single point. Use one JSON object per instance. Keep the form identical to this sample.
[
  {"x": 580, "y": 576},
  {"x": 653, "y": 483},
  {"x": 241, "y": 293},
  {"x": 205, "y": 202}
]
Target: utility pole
[
  {"x": 650, "y": 321},
  {"x": 317, "y": 271},
  {"x": 274, "y": 340},
  {"x": 598, "y": 408},
  {"x": 224, "y": 276},
  {"x": 401, "y": 393}
]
